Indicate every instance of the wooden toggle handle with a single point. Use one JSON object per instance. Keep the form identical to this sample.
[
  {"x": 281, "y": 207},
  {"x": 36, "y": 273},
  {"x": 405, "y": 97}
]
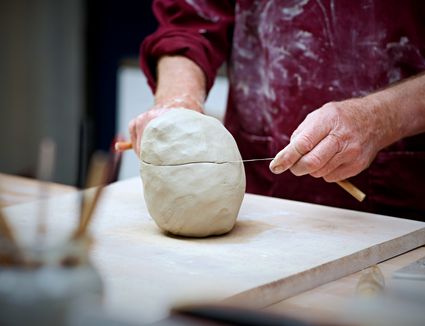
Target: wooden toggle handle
[
  {"x": 352, "y": 189},
  {"x": 121, "y": 146}
]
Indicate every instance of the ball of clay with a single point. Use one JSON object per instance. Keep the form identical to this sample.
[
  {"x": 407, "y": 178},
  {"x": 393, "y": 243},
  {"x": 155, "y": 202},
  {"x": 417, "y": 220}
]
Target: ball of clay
[{"x": 192, "y": 186}]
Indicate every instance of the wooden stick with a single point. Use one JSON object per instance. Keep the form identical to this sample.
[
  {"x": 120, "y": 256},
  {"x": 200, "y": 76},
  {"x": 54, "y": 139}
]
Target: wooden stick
[
  {"x": 121, "y": 146},
  {"x": 5, "y": 230},
  {"x": 352, "y": 190},
  {"x": 97, "y": 177}
]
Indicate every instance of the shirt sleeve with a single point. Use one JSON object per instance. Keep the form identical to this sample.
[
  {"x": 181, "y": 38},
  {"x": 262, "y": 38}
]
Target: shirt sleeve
[{"x": 200, "y": 30}]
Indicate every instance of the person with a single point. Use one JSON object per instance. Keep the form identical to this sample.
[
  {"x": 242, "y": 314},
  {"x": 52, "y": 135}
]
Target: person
[{"x": 334, "y": 88}]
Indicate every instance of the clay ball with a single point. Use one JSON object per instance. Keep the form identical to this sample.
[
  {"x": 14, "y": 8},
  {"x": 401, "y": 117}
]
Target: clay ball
[{"x": 191, "y": 185}]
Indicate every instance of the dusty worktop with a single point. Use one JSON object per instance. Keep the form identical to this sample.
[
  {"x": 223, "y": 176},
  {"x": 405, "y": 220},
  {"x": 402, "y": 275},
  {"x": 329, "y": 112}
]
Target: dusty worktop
[
  {"x": 16, "y": 190},
  {"x": 274, "y": 241}
]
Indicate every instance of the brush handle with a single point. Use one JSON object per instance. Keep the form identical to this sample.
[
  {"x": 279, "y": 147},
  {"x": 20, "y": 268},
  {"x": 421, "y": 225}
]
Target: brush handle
[
  {"x": 13, "y": 255},
  {"x": 97, "y": 178},
  {"x": 5, "y": 230}
]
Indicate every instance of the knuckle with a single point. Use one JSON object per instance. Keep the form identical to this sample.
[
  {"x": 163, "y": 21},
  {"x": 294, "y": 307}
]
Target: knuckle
[
  {"x": 351, "y": 151},
  {"x": 303, "y": 144},
  {"x": 141, "y": 118},
  {"x": 337, "y": 142},
  {"x": 361, "y": 164},
  {"x": 331, "y": 108},
  {"x": 131, "y": 125},
  {"x": 312, "y": 162},
  {"x": 294, "y": 134},
  {"x": 333, "y": 113},
  {"x": 356, "y": 150},
  {"x": 149, "y": 115},
  {"x": 316, "y": 115}
]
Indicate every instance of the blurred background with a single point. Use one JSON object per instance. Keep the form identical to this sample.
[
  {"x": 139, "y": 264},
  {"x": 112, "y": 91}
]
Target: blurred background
[
  {"x": 59, "y": 67},
  {"x": 59, "y": 63},
  {"x": 69, "y": 70}
]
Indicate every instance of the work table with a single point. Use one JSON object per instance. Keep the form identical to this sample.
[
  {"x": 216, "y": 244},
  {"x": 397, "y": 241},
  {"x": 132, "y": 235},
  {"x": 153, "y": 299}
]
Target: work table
[{"x": 322, "y": 301}]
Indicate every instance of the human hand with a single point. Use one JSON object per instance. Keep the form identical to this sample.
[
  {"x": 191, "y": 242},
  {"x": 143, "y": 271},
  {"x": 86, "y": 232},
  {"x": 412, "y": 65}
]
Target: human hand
[
  {"x": 180, "y": 84},
  {"x": 138, "y": 124},
  {"x": 336, "y": 141}
]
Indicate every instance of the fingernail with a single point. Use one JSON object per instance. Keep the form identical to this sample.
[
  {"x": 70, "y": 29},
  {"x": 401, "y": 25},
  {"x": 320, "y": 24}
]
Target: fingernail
[{"x": 277, "y": 169}]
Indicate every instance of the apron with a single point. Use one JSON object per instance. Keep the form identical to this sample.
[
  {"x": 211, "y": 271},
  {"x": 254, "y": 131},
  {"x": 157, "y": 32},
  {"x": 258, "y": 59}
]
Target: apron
[{"x": 291, "y": 57}]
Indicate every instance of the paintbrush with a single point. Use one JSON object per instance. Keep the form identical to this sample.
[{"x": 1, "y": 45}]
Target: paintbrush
[
  {"x": 5, "y": 230},
  {"x": 121, "y": 146},
  {"x": 103, "y": 170},
  {"x": 97, "y": 177},
  {"x": 46, "y": 162},
  {"x": 12, "y": 254}
]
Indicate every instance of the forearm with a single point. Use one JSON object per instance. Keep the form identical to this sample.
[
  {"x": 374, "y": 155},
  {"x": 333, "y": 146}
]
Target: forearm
[
  {"x": 180, "y": 82},
  {"x": 404, "y": 106}
]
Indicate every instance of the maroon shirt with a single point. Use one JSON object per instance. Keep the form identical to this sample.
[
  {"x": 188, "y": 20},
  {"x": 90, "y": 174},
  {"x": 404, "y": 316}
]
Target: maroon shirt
[{"x": 288, "y": 58}]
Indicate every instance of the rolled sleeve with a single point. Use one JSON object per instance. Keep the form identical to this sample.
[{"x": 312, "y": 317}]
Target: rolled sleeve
[{"x": 200, "y": 30}]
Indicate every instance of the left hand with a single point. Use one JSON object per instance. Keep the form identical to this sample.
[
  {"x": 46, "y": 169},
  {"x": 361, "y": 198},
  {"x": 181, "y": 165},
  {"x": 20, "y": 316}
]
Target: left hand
[{"x": 336, "y": 141}]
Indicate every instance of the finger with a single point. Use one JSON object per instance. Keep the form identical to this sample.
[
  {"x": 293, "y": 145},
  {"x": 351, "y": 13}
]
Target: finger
[
  {"x": 344, "y": 171},
  {"x": 316, "y": 126},
  {"x": 133, "y": 134},
  {"x": 318, "y": 157},
  {"x": 308, "y": 134},
  {"x": 284, "y": 159},
  {"x": 334, "y": 163},
  {"x": 142, "y": 121},
  {"x": 290, "y": 155},
  {"x": 295, "y": 133},
  {"x": 140, "y": 127}
]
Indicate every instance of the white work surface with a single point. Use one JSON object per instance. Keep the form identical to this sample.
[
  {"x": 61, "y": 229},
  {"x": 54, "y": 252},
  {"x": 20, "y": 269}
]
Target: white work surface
[{"x": 278, "y": 248}]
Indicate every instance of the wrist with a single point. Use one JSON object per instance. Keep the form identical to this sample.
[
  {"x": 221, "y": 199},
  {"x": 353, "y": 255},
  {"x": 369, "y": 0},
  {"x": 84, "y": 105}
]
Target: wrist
[
  {"x": 181, "y": 83},
  {"x": 387, "y": 121},
  {"x": 184, "y": 100},
  {"x": 403, "y": 106}
]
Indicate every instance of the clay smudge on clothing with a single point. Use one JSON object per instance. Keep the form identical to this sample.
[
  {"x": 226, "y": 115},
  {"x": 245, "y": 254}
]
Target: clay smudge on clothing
[
  {"x": 399, "y": 50},
  {"x": 201, "y": 7},
  {"x": 290, "y": 12},
  {"x": 327, "y": 23}
]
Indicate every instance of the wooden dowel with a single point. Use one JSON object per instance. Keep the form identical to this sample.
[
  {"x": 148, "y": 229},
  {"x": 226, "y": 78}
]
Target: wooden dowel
[
  {"x": 121, "y": 146},
  {"x": 352, "y": 190}
]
